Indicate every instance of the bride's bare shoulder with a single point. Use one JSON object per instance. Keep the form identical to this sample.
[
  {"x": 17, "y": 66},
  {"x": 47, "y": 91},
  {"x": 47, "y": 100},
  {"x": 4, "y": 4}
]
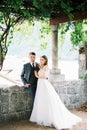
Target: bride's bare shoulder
[{"x": 45, "y": 68}]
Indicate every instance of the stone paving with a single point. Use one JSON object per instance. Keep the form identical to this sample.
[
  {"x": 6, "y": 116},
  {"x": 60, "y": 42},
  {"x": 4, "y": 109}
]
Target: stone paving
[{"x": 26, "y": 125}]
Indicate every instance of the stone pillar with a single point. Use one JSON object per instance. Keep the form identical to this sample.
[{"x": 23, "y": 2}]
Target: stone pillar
[
  {"x": 86, "y": 55},
  {"x": 54, "y": 46},
  {"x": 82, "y": 61},
  {"x": 55, "y": 75}
]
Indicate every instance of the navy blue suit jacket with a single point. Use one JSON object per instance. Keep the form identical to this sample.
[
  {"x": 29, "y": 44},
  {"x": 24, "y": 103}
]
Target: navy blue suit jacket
[{"x": 26, "y": 72}]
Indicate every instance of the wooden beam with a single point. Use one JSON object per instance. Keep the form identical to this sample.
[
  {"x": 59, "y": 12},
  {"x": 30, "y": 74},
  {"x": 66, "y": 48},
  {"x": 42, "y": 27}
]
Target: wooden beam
[{"x": 65, "y": 18}]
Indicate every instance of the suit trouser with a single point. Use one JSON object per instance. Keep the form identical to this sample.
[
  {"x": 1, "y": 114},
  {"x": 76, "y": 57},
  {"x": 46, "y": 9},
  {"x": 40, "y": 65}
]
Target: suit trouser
[{"x": 32, "y": 91}]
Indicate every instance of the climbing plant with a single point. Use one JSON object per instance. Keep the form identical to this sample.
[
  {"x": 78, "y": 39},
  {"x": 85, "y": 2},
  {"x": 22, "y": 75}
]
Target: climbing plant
[
  {"x": 13, "y": 11},
  {"x": 79, "y": 36}
]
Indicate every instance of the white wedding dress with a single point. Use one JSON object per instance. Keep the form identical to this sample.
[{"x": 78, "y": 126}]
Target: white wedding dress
[{"x": 48, "y": 109}]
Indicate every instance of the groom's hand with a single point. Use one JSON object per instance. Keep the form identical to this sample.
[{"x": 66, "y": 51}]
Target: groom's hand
[{"x": 27, "y": 85}]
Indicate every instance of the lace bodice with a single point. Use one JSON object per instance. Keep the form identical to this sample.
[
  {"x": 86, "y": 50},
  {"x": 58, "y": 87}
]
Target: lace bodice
[{"x": 44, "y": 72}]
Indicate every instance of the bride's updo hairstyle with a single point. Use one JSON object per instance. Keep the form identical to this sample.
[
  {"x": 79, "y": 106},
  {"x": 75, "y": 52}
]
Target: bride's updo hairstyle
[{"x": 46, "y": 59}]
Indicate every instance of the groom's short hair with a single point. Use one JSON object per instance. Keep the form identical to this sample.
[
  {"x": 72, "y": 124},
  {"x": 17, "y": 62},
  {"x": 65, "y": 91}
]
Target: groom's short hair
[{"x": 32, "y": 53}]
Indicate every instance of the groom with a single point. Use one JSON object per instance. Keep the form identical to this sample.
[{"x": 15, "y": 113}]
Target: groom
[{"x": 28, "y": 77}]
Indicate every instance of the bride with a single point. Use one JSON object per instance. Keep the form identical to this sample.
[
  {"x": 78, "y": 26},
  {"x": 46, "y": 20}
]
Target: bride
[{"x": 48, "y": 109}]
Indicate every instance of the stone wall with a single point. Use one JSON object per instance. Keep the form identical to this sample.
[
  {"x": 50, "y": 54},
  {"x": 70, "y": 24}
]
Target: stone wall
[
  {"x": 72, "y": 93},
  {"x": 15, "y": 102}
]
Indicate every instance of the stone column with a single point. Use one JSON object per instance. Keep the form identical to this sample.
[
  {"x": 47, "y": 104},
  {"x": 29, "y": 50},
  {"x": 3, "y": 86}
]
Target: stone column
[
  {"x": 86, "y": 55},
  {"x": 55, "y": 75},
  {"x": 82, "y": 61},
  {"x": 54, "y": 46}
]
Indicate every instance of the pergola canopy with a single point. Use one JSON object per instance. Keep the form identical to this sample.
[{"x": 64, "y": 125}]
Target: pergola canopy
[
  {"x": 62, "y": 10},
  {"x": 64, "y": 18}
]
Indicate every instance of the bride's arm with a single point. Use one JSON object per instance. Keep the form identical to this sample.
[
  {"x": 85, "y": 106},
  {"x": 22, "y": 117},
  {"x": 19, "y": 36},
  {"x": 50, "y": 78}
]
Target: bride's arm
[
  {"x": 37, "y": 75},
  {"x": 46, "y": 69},
  {"x": 46, "y": 74}
]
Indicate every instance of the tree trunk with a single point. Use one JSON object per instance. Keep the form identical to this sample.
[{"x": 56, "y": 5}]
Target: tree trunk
[
  {"x": 1, "y": 58},
  {"x": 86, "y": 55}
]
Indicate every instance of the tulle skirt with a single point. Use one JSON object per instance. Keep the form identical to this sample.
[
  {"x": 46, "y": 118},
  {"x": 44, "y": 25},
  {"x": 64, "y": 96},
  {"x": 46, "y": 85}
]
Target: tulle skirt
[{"x": 49, "y": 110}]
